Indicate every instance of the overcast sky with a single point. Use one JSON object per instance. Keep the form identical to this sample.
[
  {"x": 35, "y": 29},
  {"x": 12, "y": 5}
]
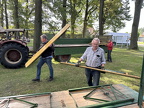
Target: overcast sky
[{"x": 129, "y": 23}]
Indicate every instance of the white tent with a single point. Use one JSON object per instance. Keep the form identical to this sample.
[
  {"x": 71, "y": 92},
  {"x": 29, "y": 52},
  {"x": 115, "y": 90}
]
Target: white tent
[{"x": 120, "y": 38}]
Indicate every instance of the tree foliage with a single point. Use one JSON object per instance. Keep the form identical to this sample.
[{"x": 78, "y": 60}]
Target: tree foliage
[
  {"x": 116, "y": 12},
  {"x": 81, "y": 14},
  {"x": 141, "y": 30}
]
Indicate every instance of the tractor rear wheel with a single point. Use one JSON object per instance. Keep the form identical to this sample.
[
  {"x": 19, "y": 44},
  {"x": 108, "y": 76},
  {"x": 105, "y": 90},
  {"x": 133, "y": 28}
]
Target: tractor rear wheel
[
  {"x": 13, "y": 55},
  {"x": 62, "y": 58}
]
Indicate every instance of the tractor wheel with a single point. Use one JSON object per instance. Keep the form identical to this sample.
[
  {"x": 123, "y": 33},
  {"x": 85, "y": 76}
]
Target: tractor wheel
[
  {"x": 13, "y": 55},
  {"x": 62, "y": 58}
]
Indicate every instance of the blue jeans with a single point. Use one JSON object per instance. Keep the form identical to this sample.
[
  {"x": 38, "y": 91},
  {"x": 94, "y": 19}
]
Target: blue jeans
[
  {"x": 46, "y": 60},
  {"x": 93, "y": 77}
]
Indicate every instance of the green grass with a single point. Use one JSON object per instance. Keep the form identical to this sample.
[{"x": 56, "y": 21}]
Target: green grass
[{"x": 18, "y": 81}]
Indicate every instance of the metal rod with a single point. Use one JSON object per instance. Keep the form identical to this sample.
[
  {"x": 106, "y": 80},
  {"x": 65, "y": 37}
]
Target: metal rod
[
  {"x": 141, "y": 89},
  {"x": 97, "y": 99},
  {"x": 34, "y": 104},
  {"x": 110, "y": 103}
]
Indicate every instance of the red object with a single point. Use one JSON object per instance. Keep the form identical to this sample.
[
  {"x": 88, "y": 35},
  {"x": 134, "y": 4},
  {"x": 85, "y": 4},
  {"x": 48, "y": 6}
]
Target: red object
[{"x": 110, "y": 46}]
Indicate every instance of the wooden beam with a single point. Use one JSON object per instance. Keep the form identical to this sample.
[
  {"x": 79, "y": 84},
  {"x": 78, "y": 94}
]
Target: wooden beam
[
  {"x": 35, "y": 56},
  {"x": 132, "y": 76}
]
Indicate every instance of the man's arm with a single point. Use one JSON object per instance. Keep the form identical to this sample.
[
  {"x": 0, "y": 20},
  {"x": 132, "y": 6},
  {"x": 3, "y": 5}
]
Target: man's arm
[{"x": 103, "y": 58}]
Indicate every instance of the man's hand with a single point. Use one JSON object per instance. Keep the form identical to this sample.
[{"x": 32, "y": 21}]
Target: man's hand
[
  {"x": 78, "y": 64},
  {"x": 102, "y": 67}
]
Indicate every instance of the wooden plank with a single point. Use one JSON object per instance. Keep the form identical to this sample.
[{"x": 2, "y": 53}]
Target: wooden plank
[
  {"x": 70, "y": 99},
  {"x": 62, "y": 99},
  {"x": 35, "y": 56},
  {"x": 132, "y": 76}
]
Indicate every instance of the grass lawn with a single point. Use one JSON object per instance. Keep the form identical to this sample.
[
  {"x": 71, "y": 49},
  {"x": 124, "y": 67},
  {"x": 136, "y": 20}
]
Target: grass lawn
[{"x": 18, "y": 81}]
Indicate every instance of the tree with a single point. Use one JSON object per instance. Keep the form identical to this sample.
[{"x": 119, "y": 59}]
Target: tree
[
  {"x": 16, "y": 14},
  {"x": 90, "y": 7},
  {"x": 6, "y": 14},
  {"x": 73, "y": 14},
  {"x": 101, "y": 23},
  {"x": 141, "y": 30},
  {"x": 37, "y": 24},
  {"x": 1, "y": 13},
  {"x": 64, "y": 16},
  {"x": 134, "y": 32},
  {"x": 115, "y": 15}
]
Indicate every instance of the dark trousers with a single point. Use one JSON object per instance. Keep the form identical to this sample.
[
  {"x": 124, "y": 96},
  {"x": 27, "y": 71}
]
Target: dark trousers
[
  {"x": 92, "y": 76},
  {"x": 109, "y": 56}
]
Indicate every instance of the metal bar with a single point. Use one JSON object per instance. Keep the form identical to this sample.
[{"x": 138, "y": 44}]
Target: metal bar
[
  {"x": 131, "y": 76},
  {"x": 27, "y": 95},
  {"x": 120, "y": 92},
  {"x": 141, "y": 89},
  {"x": 107, "y": 95},
  {"x": 97, "y": 99},
  {"x": 71, "y": 90},
  {"x": 34, "y": 104},
  {"x": 74, "y": 100},
  {"x": 109, "y": 103},
  {"x": 85, "y": 97},
  {"x": 113, "y": 92}
]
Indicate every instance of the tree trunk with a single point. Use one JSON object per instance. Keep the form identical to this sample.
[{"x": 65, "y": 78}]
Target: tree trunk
[
  {"x": 64, "y": 16},
  {"x": 72, "y": 27},
  {"x": 37, "y": 24},
  {"x": 2, "y": 17},
  {"x": 6, "y": 15},
  {"x": 85, "y": 20},
  {"x": 101, "y": 17},
  {"x": 134, "y": 33},
  {"x": 16, "y": 17},
  {"x": 27, "y": 18},
  {"x": 73, "y": 18}
]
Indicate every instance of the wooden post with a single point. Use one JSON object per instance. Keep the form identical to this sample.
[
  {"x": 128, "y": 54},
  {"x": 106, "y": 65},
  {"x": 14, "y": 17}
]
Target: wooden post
[
  {"x": 132, "y": 76},
  {"x": 35, "y": 56}
]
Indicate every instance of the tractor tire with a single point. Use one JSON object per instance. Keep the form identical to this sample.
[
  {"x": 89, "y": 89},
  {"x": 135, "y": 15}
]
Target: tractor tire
[
  {"x": 13, "y": 55},
  {"x": 62, "y": 58}
]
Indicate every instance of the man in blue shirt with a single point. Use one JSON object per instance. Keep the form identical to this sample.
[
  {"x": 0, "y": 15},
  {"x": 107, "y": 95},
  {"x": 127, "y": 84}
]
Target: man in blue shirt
[
  {"x": 95, "y": 57},
  {"x": 46, "y": 57}
]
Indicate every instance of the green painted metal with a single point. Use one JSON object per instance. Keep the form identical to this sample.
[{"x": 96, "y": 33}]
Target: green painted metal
[
  {"x": 27, "y": 95},
  {"x": 106, "y": 92},
  {"x": 141, "y": 89},
  {"x": 69, "y": 50},
  {"x": 73, "y": 50},
  {"x": 110, "y": 104},
  {"x": 132, "y": 99},
  {"x": 33, "y": 104},
  {"x": 73, "y": 41},
  {"x": 82, "y": 88}
]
